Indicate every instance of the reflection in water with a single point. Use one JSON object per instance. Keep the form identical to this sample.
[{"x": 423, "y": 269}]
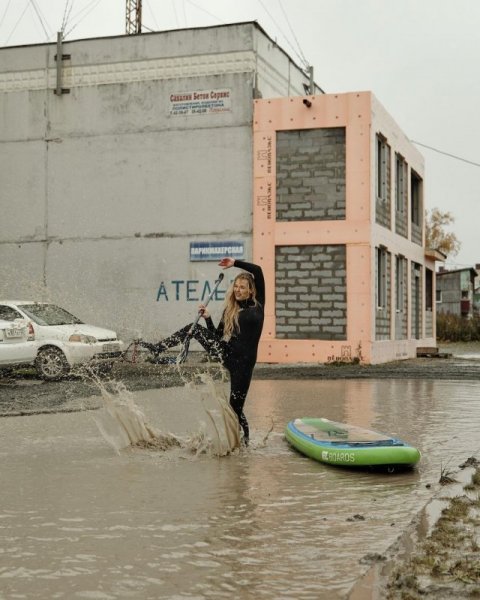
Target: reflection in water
[{"x": 80, "y": 521}]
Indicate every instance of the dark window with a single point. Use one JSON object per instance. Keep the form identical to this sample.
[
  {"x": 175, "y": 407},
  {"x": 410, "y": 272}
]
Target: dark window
[
  {"x": 7, "y": 313},
  {"x": 381, "y": 278},
  {"x": 416, "y": 198},
  {"x": 400, "y": 282},
  {"x": 382, "y": 158},
  {"x": 400, "y": 182},
  {"x": 428, "y": 289}
]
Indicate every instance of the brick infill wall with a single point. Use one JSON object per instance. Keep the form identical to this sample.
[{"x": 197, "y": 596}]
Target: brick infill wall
[{"x": 311, "y": 292}]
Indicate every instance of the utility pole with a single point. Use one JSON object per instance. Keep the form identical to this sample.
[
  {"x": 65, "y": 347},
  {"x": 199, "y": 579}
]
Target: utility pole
[{"x": 133, "y": 21}]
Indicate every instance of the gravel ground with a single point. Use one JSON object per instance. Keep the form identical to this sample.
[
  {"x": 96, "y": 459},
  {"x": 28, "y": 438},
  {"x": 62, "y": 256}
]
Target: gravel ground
[
  {"x": 22, "y": 393},
  {"x": 438, "y": 556}
]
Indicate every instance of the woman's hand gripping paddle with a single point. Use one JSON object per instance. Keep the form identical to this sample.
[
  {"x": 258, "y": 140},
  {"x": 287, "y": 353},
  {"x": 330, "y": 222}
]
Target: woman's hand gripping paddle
[{"x": 184, "y": 351}]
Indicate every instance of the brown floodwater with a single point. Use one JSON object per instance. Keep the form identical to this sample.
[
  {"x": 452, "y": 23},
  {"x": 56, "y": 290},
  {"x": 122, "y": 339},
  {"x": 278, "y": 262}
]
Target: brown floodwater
[{"x": 82, "y": 519}]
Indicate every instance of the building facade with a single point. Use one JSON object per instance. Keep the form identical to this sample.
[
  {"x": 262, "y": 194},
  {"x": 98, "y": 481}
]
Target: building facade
[
  {"x": 126, "y": 170},
  {"x": 455, "y": 292},
  {"x": 144, "y": 149}
]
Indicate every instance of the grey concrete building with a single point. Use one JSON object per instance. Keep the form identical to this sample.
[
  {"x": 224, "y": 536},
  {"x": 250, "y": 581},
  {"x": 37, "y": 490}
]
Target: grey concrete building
[
  {"x": 456, "y": 292},
  {"x": 126, "y": 160}
]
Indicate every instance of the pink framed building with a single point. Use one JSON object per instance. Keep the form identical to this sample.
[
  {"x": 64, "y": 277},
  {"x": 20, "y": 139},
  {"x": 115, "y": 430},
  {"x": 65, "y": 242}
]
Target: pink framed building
[{"x": 338, "y": 225}]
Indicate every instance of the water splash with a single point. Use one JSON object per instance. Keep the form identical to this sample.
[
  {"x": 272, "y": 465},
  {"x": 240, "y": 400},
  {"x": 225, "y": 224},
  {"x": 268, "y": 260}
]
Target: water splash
[
  {"x": 123, "y": 424},
  {"x": 120, "y": 420},
  {"x": 222, "y": 416}
]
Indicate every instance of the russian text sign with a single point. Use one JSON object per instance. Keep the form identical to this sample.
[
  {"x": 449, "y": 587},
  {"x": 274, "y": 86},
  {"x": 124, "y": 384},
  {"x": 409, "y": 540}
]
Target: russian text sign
[
  {"x": 200, "y": 102},
  {"x": 215, "y": 250}
]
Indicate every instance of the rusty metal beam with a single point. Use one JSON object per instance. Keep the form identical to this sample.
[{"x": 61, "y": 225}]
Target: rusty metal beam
[{"x": 133, "y": 20}]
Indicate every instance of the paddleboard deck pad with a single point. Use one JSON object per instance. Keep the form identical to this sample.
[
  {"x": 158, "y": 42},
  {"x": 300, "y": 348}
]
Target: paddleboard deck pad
[{"x": 345, "y": 445}]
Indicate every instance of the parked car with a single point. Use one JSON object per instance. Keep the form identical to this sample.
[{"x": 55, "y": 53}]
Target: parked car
[
  {"x": 16, "y": 336},
  {"x": 63, "y": 341}
]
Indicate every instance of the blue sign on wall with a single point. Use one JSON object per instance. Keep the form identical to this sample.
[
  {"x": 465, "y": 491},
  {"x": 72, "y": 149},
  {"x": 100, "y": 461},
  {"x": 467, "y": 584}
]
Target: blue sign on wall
[{"x": 215, "y": 250}]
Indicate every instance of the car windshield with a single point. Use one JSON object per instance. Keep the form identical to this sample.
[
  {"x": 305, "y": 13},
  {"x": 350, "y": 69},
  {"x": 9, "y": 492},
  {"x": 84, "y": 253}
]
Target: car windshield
[{"x": 49, "y": 314}]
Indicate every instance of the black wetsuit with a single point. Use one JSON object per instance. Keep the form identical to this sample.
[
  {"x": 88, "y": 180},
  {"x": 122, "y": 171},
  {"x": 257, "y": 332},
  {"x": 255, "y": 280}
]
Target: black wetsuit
[{"x": 239, "y": 353}]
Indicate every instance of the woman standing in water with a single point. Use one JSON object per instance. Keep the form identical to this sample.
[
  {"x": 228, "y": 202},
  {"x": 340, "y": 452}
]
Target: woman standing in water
[{"x": 235, "y": 341}]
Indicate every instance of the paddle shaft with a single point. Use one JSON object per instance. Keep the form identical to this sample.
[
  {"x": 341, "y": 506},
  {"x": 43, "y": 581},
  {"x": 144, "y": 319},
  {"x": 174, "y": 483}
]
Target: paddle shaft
[
  {"x": 183, "y": 354},
  {"x": 210, "y": 296}
]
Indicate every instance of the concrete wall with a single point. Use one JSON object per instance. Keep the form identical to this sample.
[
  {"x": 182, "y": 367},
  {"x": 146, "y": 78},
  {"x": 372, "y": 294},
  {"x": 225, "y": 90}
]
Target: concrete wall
[{"x": 104, "y": 187}]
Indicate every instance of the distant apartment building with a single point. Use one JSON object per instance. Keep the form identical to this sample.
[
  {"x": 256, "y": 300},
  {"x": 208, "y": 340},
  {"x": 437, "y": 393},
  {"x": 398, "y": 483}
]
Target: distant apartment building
[
  {"x": 455, "y": 292},
  {"x": 476, "y": 294}
]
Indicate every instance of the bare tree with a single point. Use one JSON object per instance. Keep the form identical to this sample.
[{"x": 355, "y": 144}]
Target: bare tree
[{"x": 436, "y": 235}]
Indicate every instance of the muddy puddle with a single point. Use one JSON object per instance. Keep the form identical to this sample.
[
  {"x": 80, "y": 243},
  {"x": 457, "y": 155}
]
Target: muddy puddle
[{"x": 80, "y": 517}]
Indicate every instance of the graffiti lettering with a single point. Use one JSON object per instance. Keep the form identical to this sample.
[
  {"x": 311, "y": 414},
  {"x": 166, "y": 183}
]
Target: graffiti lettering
[
  {"x": 191, "y": 290},
  {"x": 269, "y": 200},
  {"x": 162, "y": 292},
  {"x": 269, "y": 154}
]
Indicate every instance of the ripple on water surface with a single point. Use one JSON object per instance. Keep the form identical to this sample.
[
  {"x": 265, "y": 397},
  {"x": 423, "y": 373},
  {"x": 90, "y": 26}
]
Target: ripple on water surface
[{"x": 80, "y": 520}]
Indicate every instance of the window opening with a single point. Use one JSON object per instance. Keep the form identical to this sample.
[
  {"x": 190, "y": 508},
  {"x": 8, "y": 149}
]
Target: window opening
[
  {"x": 400, "y": 176},
  {"x": 382, "y": 157},
  {"x": 416, "y": 198},
  {"x": 400, "y": 282},
  {"x": 381, "y": 278}
]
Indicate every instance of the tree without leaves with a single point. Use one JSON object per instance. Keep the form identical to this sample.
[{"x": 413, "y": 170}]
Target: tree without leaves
[{"x": 436, "y": 235}]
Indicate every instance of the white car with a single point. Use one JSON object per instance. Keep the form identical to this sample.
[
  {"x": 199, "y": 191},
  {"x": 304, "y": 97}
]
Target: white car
[
  {"x": 16, "y": 336},
  {"x": 62, "y": 341}
]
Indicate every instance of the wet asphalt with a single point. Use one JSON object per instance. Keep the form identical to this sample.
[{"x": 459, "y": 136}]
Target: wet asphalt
[{"x": 22, "y": 393}]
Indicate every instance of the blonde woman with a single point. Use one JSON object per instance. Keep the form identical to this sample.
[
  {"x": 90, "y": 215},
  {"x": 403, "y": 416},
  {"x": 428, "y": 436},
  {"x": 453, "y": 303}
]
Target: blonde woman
[{"x": 235, "y": 341}]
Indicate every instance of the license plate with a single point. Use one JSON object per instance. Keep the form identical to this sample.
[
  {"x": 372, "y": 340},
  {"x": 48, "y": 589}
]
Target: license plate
[
  {"x": 111, "y": 347},
  {"x": 13, "y": 333}
]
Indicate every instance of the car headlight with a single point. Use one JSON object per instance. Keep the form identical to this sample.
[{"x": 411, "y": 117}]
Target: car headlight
[{"x": 82, "y": 339}]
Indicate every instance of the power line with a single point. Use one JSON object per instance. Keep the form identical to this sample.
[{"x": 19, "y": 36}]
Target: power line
[
  {"x": 42, "y": 19},
  {"x": 293, "y": 33},
  {"x": 66, "y": 14},
  {"x": 153, "y": 16},
  {"x": 175, "y": 13},
  {"x": 202, "y": 9},
  {"x": 87, "y": 9},
  {"x": 184, "y": 13},
  {"x": 5, "y": 13},
  {"x": 18, "y": 21},
  {"x": 302, "y": 59},
  {"x": 470, "y": 162},
  {"x": 300, "y": 56}
]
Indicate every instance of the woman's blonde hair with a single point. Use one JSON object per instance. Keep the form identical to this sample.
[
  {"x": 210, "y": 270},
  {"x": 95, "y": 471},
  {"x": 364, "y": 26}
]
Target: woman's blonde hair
[{"x": 232, "y": 307}]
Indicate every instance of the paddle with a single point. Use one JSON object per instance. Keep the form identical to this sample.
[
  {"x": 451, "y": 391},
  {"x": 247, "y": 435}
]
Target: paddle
[{"x": 184, "y": 351}]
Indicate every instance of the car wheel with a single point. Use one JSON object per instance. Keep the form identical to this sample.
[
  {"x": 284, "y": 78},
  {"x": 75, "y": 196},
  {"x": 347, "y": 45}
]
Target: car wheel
[{"x": 51, "y": 363}]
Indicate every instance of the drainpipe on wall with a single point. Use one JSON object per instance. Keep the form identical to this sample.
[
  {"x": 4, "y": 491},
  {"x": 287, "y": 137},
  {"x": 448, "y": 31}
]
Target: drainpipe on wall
[
  {"x": 312, "y": 83},
  {"x": 59, "y": 58}
]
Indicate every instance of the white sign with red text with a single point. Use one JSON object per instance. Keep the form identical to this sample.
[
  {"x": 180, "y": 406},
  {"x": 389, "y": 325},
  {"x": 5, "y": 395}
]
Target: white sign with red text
[{"x": 200, "y": 102}]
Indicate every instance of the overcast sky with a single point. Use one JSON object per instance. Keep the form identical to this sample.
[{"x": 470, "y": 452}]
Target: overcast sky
[{"x": 421, "y": 58}]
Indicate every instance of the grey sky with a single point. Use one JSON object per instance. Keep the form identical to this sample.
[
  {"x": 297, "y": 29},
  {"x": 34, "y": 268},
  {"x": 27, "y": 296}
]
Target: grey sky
[{"x": 420, "y": 58}]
